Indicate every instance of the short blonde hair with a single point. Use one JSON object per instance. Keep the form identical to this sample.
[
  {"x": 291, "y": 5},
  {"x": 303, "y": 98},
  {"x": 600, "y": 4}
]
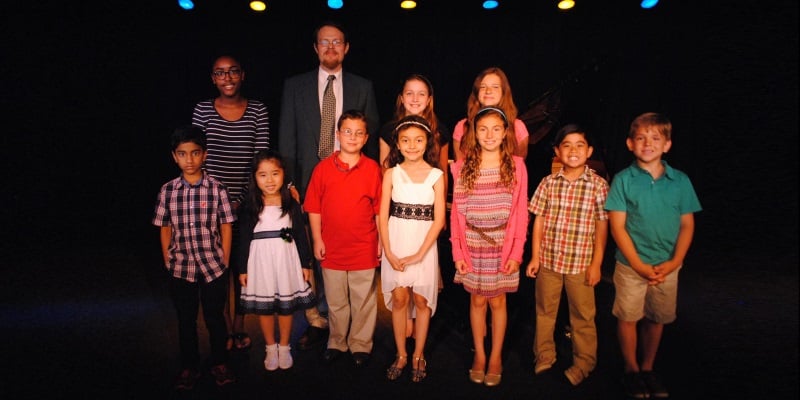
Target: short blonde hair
[{"x": 656, "y": 121}]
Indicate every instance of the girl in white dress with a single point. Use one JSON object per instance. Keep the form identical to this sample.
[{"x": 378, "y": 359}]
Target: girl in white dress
[
  {"x": 411, "y": 216},
  {"x": 277, "y": 254}
]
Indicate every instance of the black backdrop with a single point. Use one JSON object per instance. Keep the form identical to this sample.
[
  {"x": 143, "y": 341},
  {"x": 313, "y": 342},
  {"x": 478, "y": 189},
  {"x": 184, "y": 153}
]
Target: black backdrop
[{"x": 91, "y": 92}]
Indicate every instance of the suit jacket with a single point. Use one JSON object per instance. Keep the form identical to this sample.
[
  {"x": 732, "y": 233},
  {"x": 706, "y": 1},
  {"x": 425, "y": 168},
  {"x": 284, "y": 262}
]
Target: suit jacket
[{"x": 298, "y": 133}]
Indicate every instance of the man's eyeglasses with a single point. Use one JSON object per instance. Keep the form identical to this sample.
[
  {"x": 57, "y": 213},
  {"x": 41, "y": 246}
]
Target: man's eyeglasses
[
  {"x": 350, "y": 133},
  {"x": 234, "y": 73},
  {"x": 328, "y": 43}
]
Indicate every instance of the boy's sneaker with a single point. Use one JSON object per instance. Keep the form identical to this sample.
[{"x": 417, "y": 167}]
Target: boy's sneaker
[
  {"x": 635, "y": 386},
  {"x": 654, "y": 386},
  {"x": 222, "y": 375},
  {"x": 187, "y": 379},
  {"x": 574, "y": 375},
  {"x": 543, "y": 365},
  {"x": 271, "y": 361},
  {"x": 285, "y": 360}
]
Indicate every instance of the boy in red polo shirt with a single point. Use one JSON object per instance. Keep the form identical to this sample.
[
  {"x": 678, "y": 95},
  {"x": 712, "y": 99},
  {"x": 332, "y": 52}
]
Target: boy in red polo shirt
[{"x": 343, "y": 202}]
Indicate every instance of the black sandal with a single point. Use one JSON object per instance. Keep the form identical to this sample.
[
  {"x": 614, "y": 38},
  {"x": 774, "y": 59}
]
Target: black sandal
[
  {"x": 241, "y": 341},
  {"x": 418, "y": 373},
  {"x": 394, "y": 371}
]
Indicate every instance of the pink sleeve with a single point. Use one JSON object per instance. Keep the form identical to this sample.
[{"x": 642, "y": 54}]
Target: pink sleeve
[
  {"x": 457, "y": 221},
  {"x": 458, "y": 131},
  {"x": 520, "y": 130},
  {"x": 519, "y": 215}
]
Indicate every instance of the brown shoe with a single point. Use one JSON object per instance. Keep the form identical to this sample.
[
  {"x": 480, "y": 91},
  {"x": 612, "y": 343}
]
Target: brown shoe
[{"x": 313, "y": 337}]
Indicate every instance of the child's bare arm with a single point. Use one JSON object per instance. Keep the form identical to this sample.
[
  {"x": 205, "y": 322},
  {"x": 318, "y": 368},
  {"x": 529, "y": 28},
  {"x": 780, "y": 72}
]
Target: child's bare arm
[
  {"x": 536, "y": 245},
  {"x": 616, "y": 222},
  {"x": 166, "y": 239},
  {"x": 226, "y": 233},
  {"x": 594, "y": 272},
  {"x": 315, "y": 223},
  {"x": 685, "y": 235}
]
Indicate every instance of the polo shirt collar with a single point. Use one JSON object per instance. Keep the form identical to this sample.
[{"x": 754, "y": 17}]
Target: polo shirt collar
[{"x": 669, "y": 172}]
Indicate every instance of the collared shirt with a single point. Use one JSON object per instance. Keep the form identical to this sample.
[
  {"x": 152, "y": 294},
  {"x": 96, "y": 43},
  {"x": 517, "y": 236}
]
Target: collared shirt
[
  {"x": 570, "y": 211},
  {"x": 347, "y": 200},
  {"x": 194, "y": 212},
  {"x": 653, "y": 209}
]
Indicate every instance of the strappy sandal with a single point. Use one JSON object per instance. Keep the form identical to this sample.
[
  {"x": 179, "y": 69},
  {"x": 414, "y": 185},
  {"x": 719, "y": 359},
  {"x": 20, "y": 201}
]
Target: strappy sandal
[
  {"x": 394, "y": 370},
  {"x": 241, "y": 340},
  {"x": 419, "y": 372}
]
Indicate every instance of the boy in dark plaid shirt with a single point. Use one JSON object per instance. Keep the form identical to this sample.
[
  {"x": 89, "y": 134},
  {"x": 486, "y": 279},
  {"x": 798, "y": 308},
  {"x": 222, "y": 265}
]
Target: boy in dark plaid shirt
[{"x": 195, "y": 217}]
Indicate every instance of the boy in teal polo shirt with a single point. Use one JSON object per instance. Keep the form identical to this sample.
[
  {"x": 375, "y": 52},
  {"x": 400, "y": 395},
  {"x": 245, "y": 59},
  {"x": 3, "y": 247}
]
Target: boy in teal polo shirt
[{"x": 651, "y": 210}]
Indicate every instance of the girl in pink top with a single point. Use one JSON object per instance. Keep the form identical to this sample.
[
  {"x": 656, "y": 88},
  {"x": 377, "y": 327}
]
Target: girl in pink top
[
  {"x": 489, "y": 223},
  {"x": 492, "y": 89}
]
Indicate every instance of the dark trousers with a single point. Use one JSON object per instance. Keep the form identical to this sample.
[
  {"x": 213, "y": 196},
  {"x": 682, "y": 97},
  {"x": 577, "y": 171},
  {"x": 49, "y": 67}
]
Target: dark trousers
[{"x": 187, "y": 298}]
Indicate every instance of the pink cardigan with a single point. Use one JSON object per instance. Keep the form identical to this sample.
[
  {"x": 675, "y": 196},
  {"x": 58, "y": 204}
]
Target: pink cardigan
[{"x": 516, "y": 229}]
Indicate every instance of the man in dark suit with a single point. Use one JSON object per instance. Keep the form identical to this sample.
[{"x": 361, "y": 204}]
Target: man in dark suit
[{"x": 299, "y": 131}]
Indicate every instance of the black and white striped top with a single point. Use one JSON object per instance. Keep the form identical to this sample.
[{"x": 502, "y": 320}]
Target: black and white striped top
[{"x": 232, "y": 144}]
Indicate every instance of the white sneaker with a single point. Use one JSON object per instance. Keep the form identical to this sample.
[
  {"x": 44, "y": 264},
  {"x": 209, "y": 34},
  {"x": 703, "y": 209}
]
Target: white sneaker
[
  {"x": 271, "y": 362},
  {"x": 285, "y": 360}
]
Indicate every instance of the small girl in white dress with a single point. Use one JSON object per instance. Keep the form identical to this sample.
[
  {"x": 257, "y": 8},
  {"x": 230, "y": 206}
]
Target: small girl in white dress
[
  {"x": 411, "y": 216},
  {"x": 275, "y": 248}
]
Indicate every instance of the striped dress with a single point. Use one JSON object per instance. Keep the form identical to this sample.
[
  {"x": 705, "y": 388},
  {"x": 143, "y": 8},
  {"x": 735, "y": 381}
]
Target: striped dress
[
  {"x": 487, "y": 209},
  {"x": 232, "y": 144}
]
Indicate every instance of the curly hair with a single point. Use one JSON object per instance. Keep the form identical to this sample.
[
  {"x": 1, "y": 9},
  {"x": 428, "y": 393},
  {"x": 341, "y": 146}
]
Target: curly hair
[{"x": 472, "y": 152}]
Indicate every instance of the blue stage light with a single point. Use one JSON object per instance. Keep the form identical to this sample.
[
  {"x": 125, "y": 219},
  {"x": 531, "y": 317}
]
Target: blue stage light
[
  {"x": 649, "y": 3},
  {"x": 186, "y": 4},
  {"x": 490, "y": 4},
  {"x": 335, "y": 4}
]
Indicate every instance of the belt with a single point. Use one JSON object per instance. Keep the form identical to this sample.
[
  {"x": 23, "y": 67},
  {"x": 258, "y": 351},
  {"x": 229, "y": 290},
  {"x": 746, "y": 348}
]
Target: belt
[
  {"x": 482, "y": 231},
  {"x": 420, "y": 212},
  {"x": 284, "y": 234}
]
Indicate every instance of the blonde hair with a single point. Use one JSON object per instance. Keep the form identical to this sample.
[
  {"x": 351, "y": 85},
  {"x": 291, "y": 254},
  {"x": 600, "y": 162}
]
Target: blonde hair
[{"x": 656, "y": 121}]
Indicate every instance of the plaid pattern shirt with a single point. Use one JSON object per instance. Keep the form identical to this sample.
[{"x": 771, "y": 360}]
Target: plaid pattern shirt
[
  {"x": 570, "y": 211},
  {"x": 195, "y": 213}
]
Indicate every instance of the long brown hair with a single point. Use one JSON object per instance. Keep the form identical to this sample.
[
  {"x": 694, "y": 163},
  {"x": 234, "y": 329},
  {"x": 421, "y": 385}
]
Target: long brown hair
[
  {"x": 472, "y": 153},
  {"x": 506, "y": 102}
]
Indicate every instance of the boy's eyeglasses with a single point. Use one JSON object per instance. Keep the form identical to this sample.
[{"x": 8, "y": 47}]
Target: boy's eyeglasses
[
  {"x": 233, "y": 73},
  {"x": 350, "y": 133}
]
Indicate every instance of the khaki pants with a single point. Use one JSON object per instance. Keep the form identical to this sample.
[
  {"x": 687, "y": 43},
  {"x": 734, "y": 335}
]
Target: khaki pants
[
  {"x": 581, "y": 317},
  {"x": 352, "y": 308}
]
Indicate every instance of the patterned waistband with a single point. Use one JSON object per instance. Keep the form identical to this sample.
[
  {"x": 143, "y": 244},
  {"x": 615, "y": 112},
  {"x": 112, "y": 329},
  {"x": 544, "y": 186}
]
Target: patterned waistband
[
  {"x": 420, "y": 212},
  {"x": 266, "y": 235}
]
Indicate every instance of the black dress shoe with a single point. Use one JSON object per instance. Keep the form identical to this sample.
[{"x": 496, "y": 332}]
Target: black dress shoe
[
  {"x": 331, "y": 354},
  {"x": 313, "y": 337},
  {"x": 361, "y": 359}
]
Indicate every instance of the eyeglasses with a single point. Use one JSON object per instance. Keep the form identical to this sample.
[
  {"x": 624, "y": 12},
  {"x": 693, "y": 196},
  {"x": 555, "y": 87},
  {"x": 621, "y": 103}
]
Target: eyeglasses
[
  {"x": 328, "y": 43},
  {"x": 350, "y": 133},
  {"x": 233, "y": 73}
]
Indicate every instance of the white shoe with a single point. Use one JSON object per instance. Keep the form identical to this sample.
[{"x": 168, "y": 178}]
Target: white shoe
[
  {"x": 285, "y": 360},
  {"x": 271, "y": 362}
]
